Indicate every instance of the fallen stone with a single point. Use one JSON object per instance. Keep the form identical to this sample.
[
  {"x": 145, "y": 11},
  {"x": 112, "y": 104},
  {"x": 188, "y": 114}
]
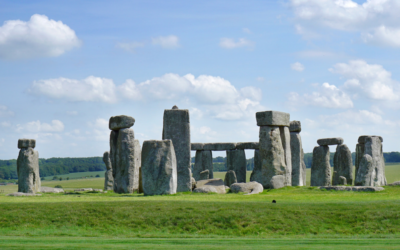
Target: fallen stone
[
  {"x": 236, "y": 161},
  {"x": 273, "y": 118},
  {"x": 295, "y": 126},
  {"x": 330, "y": 141},
  {"x": 247, "y": 188},
  {"x": 396, "y": 183},
  {"x": 342, "y": 165},
  {"x": 320, "y": 168},
  {"x": 108, "y": 176},
  {"x": 196, "y": 146},
  {"x": 26, "y": 143},
  {"x": 203, "y": 161},
  {"x": 342, "y": 180},
  {"x": 98, "y": 190},
  {"x": 193, "y": 184},
  {"x": 206, "y": 189},
  {"x": 222, "y": 146},
  {"x": 51, "y": 190},
  {"x": 247, "y": 145},
  {"x": 359, "y": 189},
  {"x": 298, "y": 164},
  {"x": 84, "y": 190},
  {"x": 121, "y": 121},
  {"x": 28, "y": 171},
  {"x": 204, "y": 175},
  {"x": 176, "y": 127},
  {"x": 159, "y": 171},
  {"x": 217, "y": 184},
  {"x": 23, "y": 194},
  {"x": 230, "y": 178}
]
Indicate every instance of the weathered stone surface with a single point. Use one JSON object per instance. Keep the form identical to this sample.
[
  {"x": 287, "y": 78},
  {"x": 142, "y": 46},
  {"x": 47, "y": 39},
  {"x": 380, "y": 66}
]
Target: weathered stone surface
[
  {"x": 273, "y": 170},
  {"x": 205, "y": 189},
  {"x": 321, "y": 168},
  {"x": 342, "y": 180},
  {"x": 108, "y": 176},
  {"x": 273, "y": 118},
  {"x": 203, "y": 161},
  {"x": 159, "y": 168},
  {"x": 295, "y": 126},
  {"x": 140, "y": 191},
  {"x": 236, "y": 161},
  {"x": 23, "y": 194},
  {"x": 26, "y": 143},
  {"x": 230, "y": 178},
  {"x": 247, "y": 145},
  {"x": 28, "y": 171},
  {"x": 285, "y": 136},
  {"x": 298, "y": 165},
  {"x": 371, "y": 170},
  {"x": 247, "y": 188},
  {"x": 257, "y": 164},
  {"x": 219, "y": 146},
  {"x": 177, "y": 128},
  {"x": 359, "y": 189},
  {"x": 396, "y": 183},
  {"x": 217, "y": 184},
  {"x": 196, "y": 146},
  {"x": 362, "y": 138},
  {"x": 193, "y": 184},
  {"x": 204, "y": 175},
  {"x": 127, "y": 162},
  {"x": 359, "y": 155},
  {"x": 330, "y": 141},
  {"x": 121, "y": 121},
  {"x": 51, "y": 190},
  {"x": 84, "y": 190},
  {"x": 98, "y": 190},
  {"x": 342, "y": 165}
]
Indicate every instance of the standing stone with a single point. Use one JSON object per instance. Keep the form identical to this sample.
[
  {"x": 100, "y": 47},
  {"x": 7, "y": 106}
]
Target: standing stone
[
  {"x": 257, "y": 164},
  {"x": 320, "y": 168},
  {"x": 159, "y": 174},
  {"x": 342, "y": 165},
  {"x": 28, "y": 167},
  {"x": 140, "y": 181},
  {"x": 342, "y": 180},
  {"x": 108, "y": 176},
  {"x": 204, "y": 175},
  {"x": 230, "y": 178},
  {"x": 236, "y": 161},
  {"x": 203, "y": 161},
  {"x": 177, "y": 128},
  {"x": 296, "y": 149},
  {"x": 371, "y": 170}
]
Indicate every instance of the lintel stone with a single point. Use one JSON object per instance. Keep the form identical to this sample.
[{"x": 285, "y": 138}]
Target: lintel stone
[
  {"x": 26, "y": 143},
  {"x": 330, "y": 141},
  {"x": 121, "y": 121},
  {"x": 361, "y": 139},
  {"x": 295, "y": 126},
  {"x": 196, "y": 146},
  {"x": 219, "y": 146},
  {"x": 273, "y": 118},
  {"x": 247, "y": 145}
]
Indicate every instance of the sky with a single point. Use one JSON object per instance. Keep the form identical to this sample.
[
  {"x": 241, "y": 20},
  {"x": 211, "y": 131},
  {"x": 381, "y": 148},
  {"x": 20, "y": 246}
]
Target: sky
[{"x": 66, "y": 67}]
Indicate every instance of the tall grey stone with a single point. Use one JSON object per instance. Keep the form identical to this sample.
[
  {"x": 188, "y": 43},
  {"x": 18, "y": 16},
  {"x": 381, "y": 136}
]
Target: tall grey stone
[
  {"x": 159, "y": 167},
  {"x": 320, "y": 168},
  {"x": 204, "y": 175},
  {"x": 342, "y": 165},
  {"x": 177, "y": 128},
  {"x": 108, "y": 176},
  {"x": 236, "y": 161},
  {"x": 203, "y": 161},
  {"x": 28, "y": 167},
  {"x": 257, "y": 164},
  {"x": 230, "y": 178},
  {"x": 371, "y": 169},
  {"x": 296, "y": 149}
]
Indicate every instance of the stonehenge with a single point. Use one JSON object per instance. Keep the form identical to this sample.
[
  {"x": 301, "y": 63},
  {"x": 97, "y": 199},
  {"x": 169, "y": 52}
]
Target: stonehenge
[
  {"x": 296, "y": 149},
  {"x": 342, "y": 166},
  {"x": 236, "y": 161},
  {"x": 321, "y": 168},
  {"x": 247, "y": 188},
  {"x": 230, "y": 178},
  {"x": 125, "y": 154},
  {"x": 108, "y": 176},
  {"x": 210, "y": 186},
  {"x": 204, "y": 175},
  {"x": 28, "y": 167},
  {"x": 203, "y": 161}
]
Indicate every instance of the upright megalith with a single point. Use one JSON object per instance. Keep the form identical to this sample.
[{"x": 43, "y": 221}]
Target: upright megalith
[
  {"x": 236, "y": 161},
  {"x": 342, "y": 165},
  {"x": 296, "y": 149},
  {"x": 28, "y": 167},
  {"x": 159, "y": 167},
  {"x": 321, "y": 168},
  {"x": 203, "y": 161},
  {"x": 274, "y": 150},
  {"x": 125, "y": 154},
  {"x": 230, "y": 178},
  {"x": 204, "y": 175},
  {"x": 108, "y": 176},
  {"x": 176, "y": 127},
  {"x": 371, "y": 166}
]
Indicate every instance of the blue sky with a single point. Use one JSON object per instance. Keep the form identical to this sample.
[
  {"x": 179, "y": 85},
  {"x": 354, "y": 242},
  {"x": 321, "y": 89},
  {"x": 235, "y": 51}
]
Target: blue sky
[{"x": 67, "y": 66}]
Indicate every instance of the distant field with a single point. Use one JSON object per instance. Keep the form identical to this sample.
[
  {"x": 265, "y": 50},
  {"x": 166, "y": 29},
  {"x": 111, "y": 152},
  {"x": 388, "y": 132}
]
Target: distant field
[{"x": 77, "y": 175}]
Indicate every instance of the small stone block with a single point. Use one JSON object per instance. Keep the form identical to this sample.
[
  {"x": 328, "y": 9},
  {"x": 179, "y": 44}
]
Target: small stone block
[
  {"x": 342, "y": 180},
  {"x": 196, "y": 146},
  {"x": 273, "y": 118},
  {"x": 121, "y": 121},
  {"x": 26, "y": 143},
  {"x": 330, "y": 141},
  {"x": 247, "y": 145},
  {"x": 362, "y": 138},
  {"x": 204, "y": 175},
  {"x": 295, "y": 126},
  {"x": 222, "y": 146}
]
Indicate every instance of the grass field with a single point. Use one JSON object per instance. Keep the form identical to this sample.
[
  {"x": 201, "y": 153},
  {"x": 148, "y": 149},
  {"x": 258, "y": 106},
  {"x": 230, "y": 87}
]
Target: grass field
[{"x": 77, "y": 175}]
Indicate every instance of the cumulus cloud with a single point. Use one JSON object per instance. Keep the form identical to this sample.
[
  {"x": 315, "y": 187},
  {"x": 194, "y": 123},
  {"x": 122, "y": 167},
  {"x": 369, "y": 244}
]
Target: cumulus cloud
[
  {"x": 229, "y": 43},
  {"x": 4, "y": 111},
  {"x": 328, "y": 96},
  {"x": 99, "y": 129},
  {"x": 39, "y": 127},
  {"x": 375, "y": 20},
  {"x": 297, "y": 66},
  {"x": 89, "y": 89},
  {"x": 166, "y": 42},
  {"x": 38, "y": 37},
  {"x": 130, "y": 47}
]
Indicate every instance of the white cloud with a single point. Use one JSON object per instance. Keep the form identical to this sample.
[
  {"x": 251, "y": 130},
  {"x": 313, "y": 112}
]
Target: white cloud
[
  {"x": 260, "y": 79},
  {"x": 371, "y": 80},
  {"x": 317, "y": 54},
  {"x": 328, "y": 96},
  {"x": 89, "y": 89},
  {"x": 297, "y": 66},
  {"x": 4, "y": 111},
  {"x": 5, "y": 124},
  {"x": 99, "y": 129},
  {"x": 229, "y": 43},
  {"x": 39, "y": 127},
  {"x": 130, "y": 47},
  {"x": 377, "y": 16},
  {"x": 39, "y": 37},
  {"x": 166, "y": 42},
  {"x": 247, "y": 30}
]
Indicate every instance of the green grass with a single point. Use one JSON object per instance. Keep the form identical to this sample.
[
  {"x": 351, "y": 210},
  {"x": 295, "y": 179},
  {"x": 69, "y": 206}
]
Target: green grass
[{"x": 77, "y": 175}]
